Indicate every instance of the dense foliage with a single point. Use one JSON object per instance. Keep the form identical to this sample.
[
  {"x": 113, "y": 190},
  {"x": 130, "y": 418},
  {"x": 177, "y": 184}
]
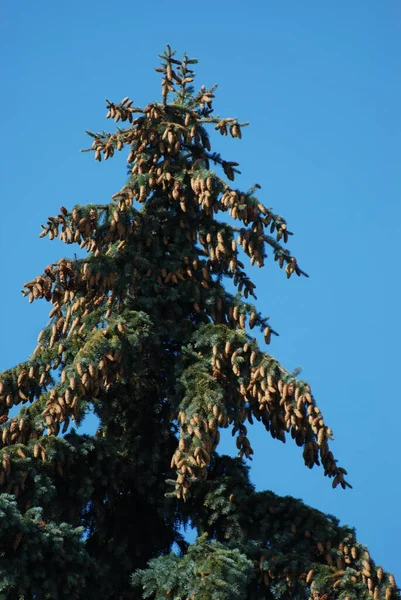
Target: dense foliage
[{"x": 144, "y": 334}]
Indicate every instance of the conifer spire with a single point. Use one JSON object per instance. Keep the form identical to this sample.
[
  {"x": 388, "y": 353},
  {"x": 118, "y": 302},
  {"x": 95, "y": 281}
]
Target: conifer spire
[{"x": 143, "y": 333}]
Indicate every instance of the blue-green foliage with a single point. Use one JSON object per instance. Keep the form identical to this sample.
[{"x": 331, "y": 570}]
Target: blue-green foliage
[
  {"x": 52, "y": 559},
  {"x": 208, "y": 571}
]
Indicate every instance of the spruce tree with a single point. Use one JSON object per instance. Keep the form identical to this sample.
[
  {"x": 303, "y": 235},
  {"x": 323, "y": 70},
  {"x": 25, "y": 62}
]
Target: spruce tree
[{"x": 143, "y": 332}]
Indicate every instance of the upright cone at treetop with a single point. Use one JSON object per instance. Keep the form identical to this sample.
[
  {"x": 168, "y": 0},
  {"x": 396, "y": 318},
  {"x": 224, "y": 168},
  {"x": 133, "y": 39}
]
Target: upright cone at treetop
[{"x": 143, "y": 333}]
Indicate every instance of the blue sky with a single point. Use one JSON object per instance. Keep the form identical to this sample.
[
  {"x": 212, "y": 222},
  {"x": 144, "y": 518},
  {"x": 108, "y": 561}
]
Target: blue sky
[{"x": 320, "y": 84}]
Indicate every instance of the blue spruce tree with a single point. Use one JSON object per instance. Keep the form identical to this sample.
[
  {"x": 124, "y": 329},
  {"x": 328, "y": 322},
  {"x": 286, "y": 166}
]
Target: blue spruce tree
[{"x": 143, "y": 332}]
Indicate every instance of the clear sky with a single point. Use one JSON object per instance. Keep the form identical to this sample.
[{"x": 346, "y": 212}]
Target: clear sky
[{"x": 320, "y": 83}]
